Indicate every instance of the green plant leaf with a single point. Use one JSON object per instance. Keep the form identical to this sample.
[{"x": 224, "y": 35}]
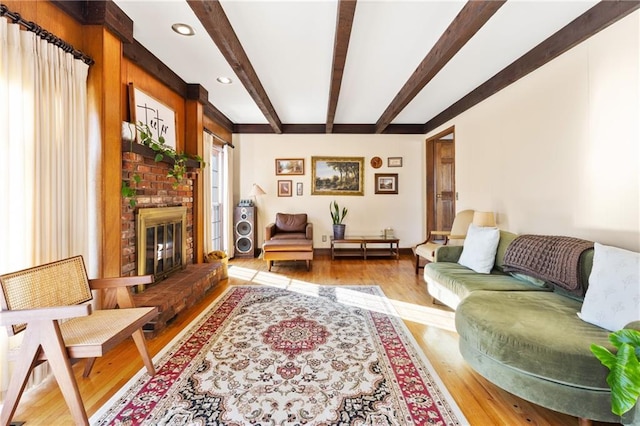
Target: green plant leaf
[
  {"x": 629, "y": 336},
  {"x": 128, "y": 192},
  {"x": 136, "y": 178},
  {"x": 606, "y": 358},
  {"x": 158, "y": 157},
  {"x": 624, "y": 371}
]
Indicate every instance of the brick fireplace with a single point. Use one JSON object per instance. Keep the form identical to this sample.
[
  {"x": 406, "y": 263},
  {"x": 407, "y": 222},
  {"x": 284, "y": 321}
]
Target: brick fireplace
[
  {"x": 155, "y": 190},
  {"x": 156, "y": 195}
]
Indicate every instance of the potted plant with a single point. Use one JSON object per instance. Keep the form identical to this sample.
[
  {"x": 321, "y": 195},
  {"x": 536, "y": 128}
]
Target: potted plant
[
  {"x": 337, "y": 218},
  {"x": 179, "y": 169},
  {"x": 624, "y": 368}
]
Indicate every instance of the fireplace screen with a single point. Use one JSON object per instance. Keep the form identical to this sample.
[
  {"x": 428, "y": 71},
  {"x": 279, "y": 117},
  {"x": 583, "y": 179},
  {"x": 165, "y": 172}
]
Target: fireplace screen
[{"x": 161, "y": 240}]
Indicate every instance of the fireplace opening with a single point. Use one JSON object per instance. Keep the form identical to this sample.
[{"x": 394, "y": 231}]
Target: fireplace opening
[{"x": 161, "y": 240}]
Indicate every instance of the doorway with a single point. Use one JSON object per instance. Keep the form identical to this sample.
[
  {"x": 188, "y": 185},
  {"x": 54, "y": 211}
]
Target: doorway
[{"x": 441, "y": 188}]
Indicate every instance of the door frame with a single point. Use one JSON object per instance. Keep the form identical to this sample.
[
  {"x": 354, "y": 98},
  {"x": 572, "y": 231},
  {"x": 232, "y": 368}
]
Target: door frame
[{"x": 430, "y": 176}]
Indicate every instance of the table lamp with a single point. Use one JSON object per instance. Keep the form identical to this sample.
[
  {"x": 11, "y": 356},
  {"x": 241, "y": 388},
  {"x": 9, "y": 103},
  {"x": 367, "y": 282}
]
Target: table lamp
[{"x": 484, "y": 219}]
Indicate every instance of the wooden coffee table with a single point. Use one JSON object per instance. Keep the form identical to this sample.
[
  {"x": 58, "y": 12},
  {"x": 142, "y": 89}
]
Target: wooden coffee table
[{"x": 362, "y": 250}]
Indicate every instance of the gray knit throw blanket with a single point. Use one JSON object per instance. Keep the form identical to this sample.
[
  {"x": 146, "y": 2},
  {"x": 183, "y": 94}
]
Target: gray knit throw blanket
[{"x": 551, "y": 258}]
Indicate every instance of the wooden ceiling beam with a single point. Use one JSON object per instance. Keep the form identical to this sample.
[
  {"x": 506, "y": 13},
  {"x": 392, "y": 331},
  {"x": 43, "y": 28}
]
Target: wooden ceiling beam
[
  {"x": 215, "y": 21},
  {"x": 466, "y": 24},
  {"x": 361, "y": 129},
  {"x": 346, "y": 12},
  {"x": 584, "y": 26}
]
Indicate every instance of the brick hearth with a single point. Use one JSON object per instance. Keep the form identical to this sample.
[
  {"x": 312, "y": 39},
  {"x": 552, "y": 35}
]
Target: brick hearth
[{"x": 178, "y": 292}]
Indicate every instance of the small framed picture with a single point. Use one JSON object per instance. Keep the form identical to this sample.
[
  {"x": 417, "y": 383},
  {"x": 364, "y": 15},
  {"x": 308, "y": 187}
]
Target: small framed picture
[
  {"x": 386, "y": 183},
  {"x": 289, "y": 166},
  {"x": 394, "y": 162},
  {"x": 299, "y": 188},
  {"x": 284, "y": 188}
]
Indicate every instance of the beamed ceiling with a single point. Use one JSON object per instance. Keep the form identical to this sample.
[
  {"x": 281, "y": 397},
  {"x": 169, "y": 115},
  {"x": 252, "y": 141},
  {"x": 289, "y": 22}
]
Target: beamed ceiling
[{"x": 331, "y": 66}]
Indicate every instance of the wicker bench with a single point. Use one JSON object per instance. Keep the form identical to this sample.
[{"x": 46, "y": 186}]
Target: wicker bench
[{"x": 34, "y": 300}]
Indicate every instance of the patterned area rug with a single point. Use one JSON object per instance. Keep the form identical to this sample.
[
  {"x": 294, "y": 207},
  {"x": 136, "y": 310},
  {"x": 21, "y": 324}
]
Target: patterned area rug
[{"x": 309, "y": 355}]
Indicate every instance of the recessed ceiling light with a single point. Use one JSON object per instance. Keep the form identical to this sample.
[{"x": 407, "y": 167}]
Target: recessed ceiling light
[
  {"x": 224, "y": 80},
  {"x": 183, "y": 29}
]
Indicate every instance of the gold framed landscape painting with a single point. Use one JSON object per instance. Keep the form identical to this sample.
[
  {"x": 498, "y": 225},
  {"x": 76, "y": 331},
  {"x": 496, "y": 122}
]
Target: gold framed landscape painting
[
  {"x": 289, "y": 166},
  {"x": 337, "y": 175}
]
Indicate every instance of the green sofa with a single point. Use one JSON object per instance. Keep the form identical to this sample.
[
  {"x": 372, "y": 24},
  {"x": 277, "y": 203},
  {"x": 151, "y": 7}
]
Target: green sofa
[{"x": 526, "y": 338}]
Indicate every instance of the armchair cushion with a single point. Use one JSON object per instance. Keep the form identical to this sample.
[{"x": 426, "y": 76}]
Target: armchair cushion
[
  {"x": 289, "y": 227},
  {"x": 291, "y": 222}
]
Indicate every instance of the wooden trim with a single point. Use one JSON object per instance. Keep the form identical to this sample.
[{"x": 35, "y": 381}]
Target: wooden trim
[
  {"x": 222, "y": 135},
  {"x": 346, "y": 12},
  {"x": 589, "y": 23},
  {"x": 107, "y": 13},
  {"x": 99, "y": 12},
  {"x": 196, "y": 92},
  {"x": 214, "y": 114},
  {"x": 465, "y": 25},
  {"x": 138, "y": 54},
  {"x": 195, "y": 145},
  {"x": 215, "y": 21},
  {"x": 406, "y": 129}
]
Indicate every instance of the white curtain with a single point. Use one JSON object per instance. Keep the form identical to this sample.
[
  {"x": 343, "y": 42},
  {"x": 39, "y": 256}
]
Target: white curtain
[
  {"x": 228, "y": 201},
  {"x": 207, "y": 140},
  {"x": 43, "y": 158}
]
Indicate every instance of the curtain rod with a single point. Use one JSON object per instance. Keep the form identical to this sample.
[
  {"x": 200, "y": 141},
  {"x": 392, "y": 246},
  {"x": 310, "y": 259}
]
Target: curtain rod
[
  {"x": 45, "y": 35},
  {"x": 224, "y": 142}
]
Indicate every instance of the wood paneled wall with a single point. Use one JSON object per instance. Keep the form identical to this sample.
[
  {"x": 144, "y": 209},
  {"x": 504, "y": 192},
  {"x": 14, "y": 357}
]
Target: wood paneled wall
[{"x": 108, "y": 80}]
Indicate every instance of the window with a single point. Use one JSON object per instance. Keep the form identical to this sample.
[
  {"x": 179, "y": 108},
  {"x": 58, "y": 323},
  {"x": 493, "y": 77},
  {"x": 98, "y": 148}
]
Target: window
[{"x": 217, "y": 196}]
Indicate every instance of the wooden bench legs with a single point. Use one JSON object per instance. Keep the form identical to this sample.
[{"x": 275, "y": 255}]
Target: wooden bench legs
[
  {"x": 138, "y": 338},
  {"x": 44, "y": 336}
]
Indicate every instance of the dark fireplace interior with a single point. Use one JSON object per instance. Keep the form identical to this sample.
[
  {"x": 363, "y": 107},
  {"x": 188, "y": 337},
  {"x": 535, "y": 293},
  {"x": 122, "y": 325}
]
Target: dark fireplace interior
[{"x": 161, "y": 241}]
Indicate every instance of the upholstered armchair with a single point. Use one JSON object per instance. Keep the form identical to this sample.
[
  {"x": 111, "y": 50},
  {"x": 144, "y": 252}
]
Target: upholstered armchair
[
  {"x": 289, "y": 227},
  {"x": 427, "y": 249},
  {"x": 290, "y": 237}
]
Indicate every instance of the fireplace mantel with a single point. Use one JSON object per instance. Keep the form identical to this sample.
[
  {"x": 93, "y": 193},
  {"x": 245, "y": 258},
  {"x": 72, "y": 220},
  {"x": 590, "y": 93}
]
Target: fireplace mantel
[{"x": 147, "y": 152}]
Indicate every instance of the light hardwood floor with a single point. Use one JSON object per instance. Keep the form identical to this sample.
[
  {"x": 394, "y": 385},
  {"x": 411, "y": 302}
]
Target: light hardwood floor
[{"x": 431, "y": 325}]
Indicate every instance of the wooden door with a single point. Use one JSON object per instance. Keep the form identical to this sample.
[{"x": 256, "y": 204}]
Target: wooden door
[{"x": 441, "y": 191}]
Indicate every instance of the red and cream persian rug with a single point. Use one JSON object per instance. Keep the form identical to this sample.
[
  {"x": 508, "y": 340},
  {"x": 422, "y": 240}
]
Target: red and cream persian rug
[{"x": 315, "y": 355}]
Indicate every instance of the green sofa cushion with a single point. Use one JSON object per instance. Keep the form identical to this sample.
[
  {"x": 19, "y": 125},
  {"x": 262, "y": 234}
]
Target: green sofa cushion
[
  {"x": 463, "y": 281},
  {"x": 535, "y": 332},
  {"x": 506, "y": 238}
]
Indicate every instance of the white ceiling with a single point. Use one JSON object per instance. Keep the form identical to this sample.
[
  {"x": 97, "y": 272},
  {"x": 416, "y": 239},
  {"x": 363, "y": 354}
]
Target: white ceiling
[{"x": 290, "y": 45}]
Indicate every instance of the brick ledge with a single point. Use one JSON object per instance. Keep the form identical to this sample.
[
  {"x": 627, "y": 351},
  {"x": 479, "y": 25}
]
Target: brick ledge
[{"x": 178, "y": 292}]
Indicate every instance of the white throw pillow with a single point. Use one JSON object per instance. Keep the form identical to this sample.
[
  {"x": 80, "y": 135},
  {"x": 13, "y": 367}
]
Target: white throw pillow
[
  {"x": 613, "y": 297},
  {"x": 479, "y": 250}
]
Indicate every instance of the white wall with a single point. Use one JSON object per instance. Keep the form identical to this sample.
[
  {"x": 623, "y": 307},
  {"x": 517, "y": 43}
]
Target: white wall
[
  {"x": 558, "y": 151},
  {"x": 555, "y": 153},
  {"x": 255, "y": 156}
]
